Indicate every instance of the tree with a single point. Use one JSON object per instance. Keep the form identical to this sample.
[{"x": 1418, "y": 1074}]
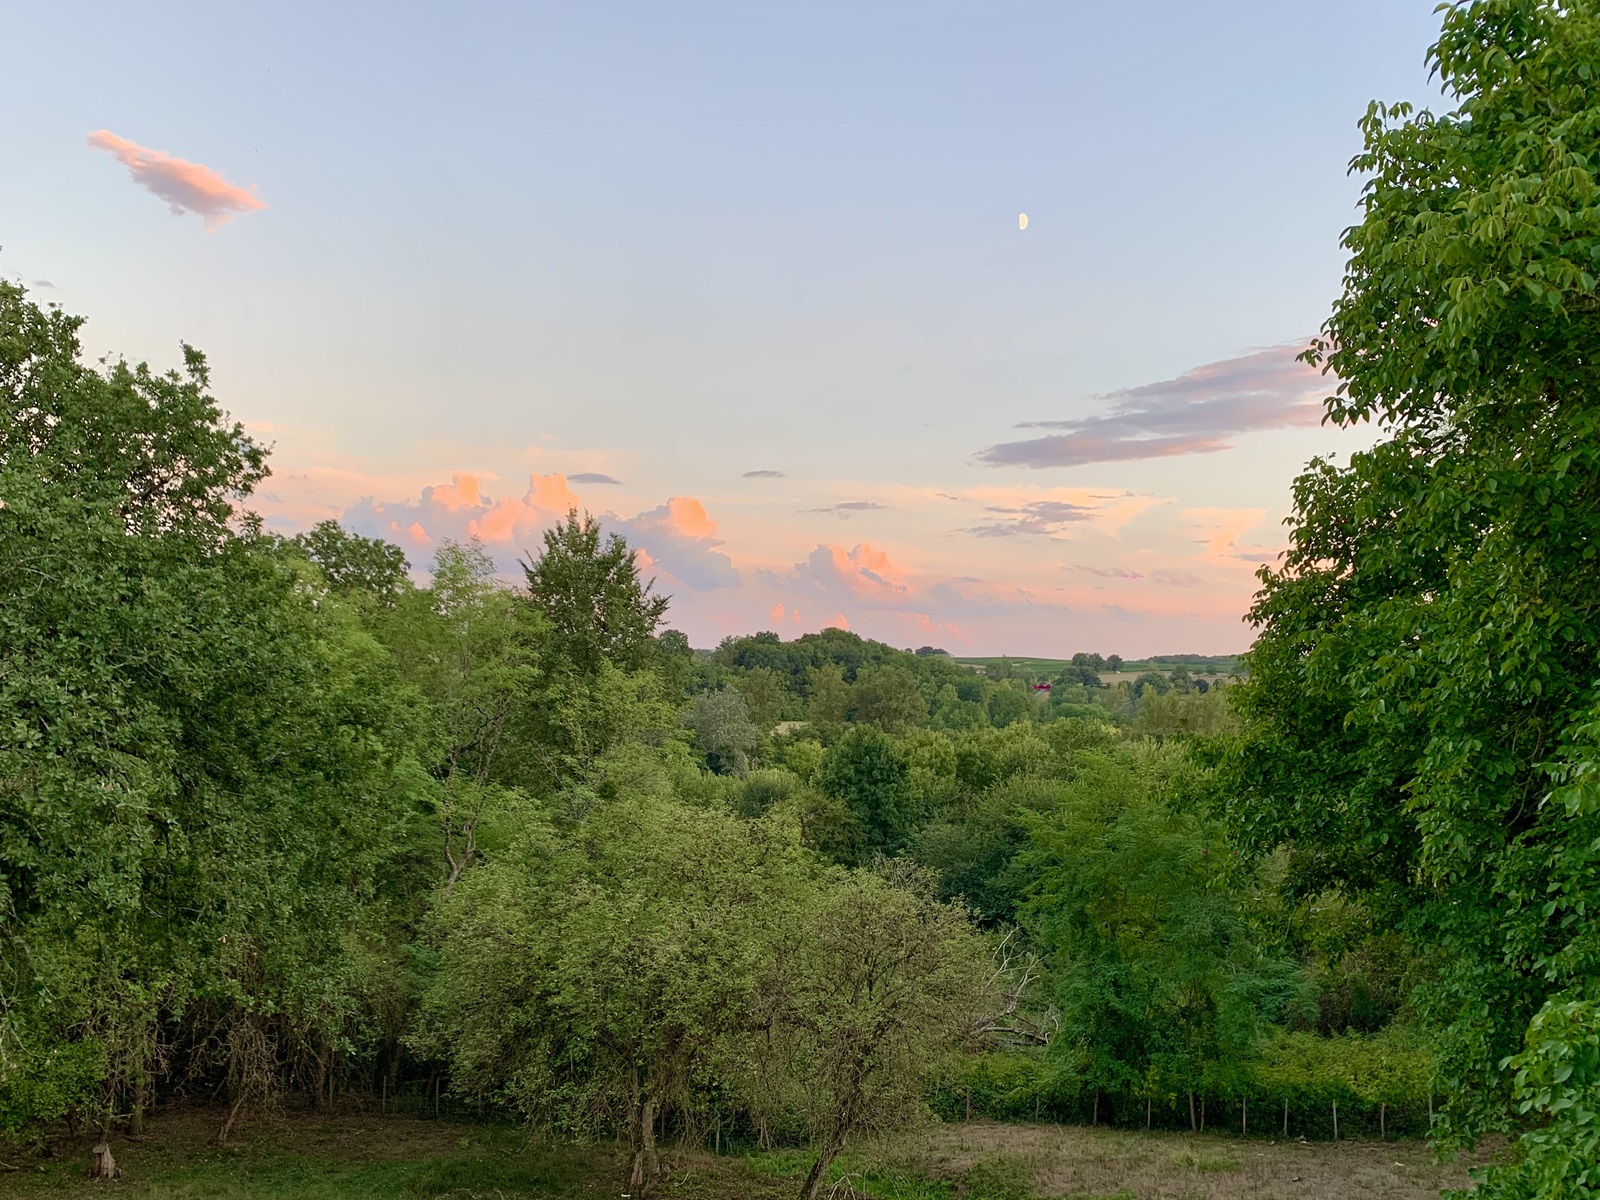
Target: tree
[
  {"x": 891, "y": 979},
  {"x": 353, "y": 564},
  {"x": 603, "y": 980},
  {"x": 1146, "y": 944},
  {"x": 1114, "y": 663},
  {"x": 887, "y": 697},
  {"x": 764, "y": 694},
  {"x": 1151, "y": 681},
  {"x": 466, "y": 645},
  {"x": 723, "y": 730},
  {"x": 829, "y": 695},
  {"x": 1008, "y": 705},
  {"x": 1421, "y": 715},
  {"x": 868, "y": 772},
  {"x": 205, "y": 770},
  {"x": 597, "y": 608}
]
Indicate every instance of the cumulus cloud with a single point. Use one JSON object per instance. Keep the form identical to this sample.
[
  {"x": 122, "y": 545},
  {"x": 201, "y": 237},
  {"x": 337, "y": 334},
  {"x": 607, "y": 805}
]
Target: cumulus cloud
[
  {"x": 844, "y": 510},
  {"x": 863, "y": 574},
  {"x": 461, "y": 509},
  {"x": 184, "y": 185},
  {"x": 1042, "y": 517},
  {"x": 681, "y": 540},
  {"x": 765, "y": 475},
  {"x": 594, "y": 477},
  {"x": 1196, "y": 413}
]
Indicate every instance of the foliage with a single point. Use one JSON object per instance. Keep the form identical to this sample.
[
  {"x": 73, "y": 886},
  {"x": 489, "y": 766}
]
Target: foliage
[
  {"x": 1420, "y": 705},
  {"x": 203, "y": 763},
  {"x": 869, "y": 774},
  {"x": 1557, "y": 1078},
  {"x": 594, "y": 981},
  {"x": 353, "y": 564},
  {"x": 723, "y": 730},
  {"x": 597, "y": 608}
]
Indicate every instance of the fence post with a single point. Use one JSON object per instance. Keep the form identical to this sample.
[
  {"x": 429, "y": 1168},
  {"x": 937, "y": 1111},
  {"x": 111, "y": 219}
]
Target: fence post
[
  {"x": 1286, "y": 1116},
  {"x": 1336, "y": 1120},
  {"x": 1244, "y": 1127}
]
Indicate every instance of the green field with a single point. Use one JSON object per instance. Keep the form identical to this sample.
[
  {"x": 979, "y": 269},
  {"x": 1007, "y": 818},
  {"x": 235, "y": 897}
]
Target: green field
[{"x": 361, "y": 1156}]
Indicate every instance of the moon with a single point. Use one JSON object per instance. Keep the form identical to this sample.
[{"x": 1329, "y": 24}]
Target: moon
[{"x": 1022, "y": 220}]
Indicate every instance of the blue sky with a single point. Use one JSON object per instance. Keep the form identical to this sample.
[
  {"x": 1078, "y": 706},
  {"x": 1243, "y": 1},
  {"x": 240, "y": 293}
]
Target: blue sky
[{"x": 670, "y": 245}]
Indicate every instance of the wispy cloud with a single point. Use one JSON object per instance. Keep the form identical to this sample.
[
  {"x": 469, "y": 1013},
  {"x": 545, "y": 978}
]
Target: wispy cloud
[
  {"x": 42, "y": 283},
  {"x": 593, "y": 477},
  {"x": 1044, "y": 517},
  {"x": 1163, "y": 577},
  {"x": 844, "y": 510},
  {"x": 184, "y": 185},
  {"x": 1196, "y": 413},
  {"x": 765, "y": 475}
]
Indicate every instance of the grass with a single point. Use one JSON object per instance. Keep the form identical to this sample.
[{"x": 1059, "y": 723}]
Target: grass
[{"x": 400, "y": 1158}]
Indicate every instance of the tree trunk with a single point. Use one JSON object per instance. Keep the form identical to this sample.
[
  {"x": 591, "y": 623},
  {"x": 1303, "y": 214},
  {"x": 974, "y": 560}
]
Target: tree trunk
[
  {"x": 1336, "y": 1120},
  {"x": 1147, "y": 1112},
  {"x": 1286, "y": 1116},
  {"x": 819, "y": 1169},
  {"x": 1094, "y": 1117},
  {"x": 1244, "y": 1127},
  {"x": 1383, "y": 1120},
  {"x": 1193, "y": 1126},
  {"x": 646, "y": 1167}
]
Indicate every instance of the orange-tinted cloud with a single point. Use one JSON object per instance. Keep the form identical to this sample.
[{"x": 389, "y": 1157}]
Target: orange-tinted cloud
[
  {"x": 682, "y": 537},
  {"x": 861, "y": 573},
  {"x": 184, "y": 185}
]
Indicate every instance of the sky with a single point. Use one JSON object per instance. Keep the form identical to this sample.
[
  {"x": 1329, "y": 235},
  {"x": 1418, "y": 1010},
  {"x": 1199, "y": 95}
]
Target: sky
[{"x": 745, "y": 281}]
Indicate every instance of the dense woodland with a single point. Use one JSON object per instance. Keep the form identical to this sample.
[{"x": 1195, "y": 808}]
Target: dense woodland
[{"x": 292, "y": 821}]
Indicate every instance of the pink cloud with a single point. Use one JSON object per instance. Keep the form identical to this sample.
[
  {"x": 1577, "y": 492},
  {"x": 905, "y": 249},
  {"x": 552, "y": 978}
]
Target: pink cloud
[
  {"x": 837, "y": 621},
  {"x": 776, "y": 615},
  {"x": 184, "y": 185}
]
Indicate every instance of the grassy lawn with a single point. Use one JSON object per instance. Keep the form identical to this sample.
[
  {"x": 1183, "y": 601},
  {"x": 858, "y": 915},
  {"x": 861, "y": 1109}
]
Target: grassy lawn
[{"x": 397, "y": 1158}]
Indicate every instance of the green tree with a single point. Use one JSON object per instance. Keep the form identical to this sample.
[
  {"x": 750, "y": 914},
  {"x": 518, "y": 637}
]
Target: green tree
[
  {"x": 887, "y": 697},
  {"x": 1421, "y": 706},
  {"x": 596, "y": 606},
  {"x": 868, "y": 772},
  {"x": 353, "y": 564},
  {"x": 723, "y": 730},
  {"x": 764, "y": 695},
  {"x": 1146, "y": 944},
  {"x": 891, "y": 979},
  {"x": 602, "y": 981},
  {"x": 205, "y": 769},
  {"x": 830, "y": 697},
  {"x": 469, "y": 647}
]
